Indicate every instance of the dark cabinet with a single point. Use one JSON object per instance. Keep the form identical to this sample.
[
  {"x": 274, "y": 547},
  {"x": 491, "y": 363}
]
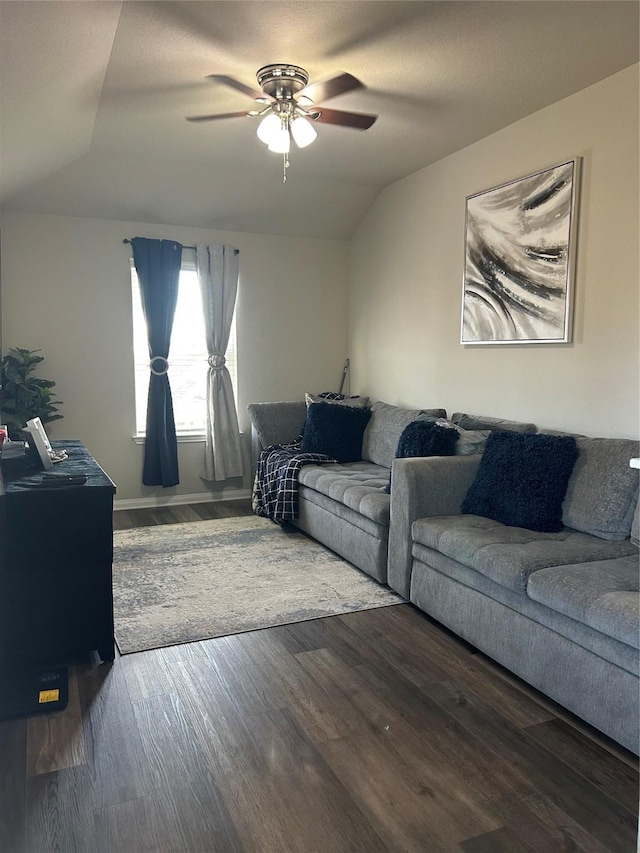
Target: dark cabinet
[{"x": 56, "y": 551}]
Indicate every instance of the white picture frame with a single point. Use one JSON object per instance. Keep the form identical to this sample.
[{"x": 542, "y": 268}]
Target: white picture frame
[
  {"x": 36, "y": 423},
  {"x": 36, "y": 440},
  {"x": 520, "y": 258}
]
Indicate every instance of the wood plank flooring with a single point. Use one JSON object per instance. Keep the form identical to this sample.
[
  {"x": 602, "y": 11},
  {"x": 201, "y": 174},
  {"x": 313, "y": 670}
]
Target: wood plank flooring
[{"x": 372, "y": 731}]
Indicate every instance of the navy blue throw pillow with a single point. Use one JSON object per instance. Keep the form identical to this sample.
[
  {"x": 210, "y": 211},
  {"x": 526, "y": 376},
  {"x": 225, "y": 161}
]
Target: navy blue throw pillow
[
  {"x": 335, "y": 431},
  {"x": 522, "y": 480},
  {"x": 425, "y": 438}
]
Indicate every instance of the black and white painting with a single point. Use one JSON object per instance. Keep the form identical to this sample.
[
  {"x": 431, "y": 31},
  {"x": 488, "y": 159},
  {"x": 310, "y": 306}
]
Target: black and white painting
[{"x": 520, "y": 258}]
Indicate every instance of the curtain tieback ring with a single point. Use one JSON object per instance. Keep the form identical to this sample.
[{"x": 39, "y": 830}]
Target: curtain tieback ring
[
  {"x": 164, "y": 365},
  {"x": 216, "y": 361}
]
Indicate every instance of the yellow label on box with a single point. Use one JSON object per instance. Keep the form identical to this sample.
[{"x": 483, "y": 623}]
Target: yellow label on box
[{"x": 48, "y": 696}]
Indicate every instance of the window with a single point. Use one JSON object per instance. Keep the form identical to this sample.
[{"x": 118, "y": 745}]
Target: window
[{"x": 188, "y": 363}]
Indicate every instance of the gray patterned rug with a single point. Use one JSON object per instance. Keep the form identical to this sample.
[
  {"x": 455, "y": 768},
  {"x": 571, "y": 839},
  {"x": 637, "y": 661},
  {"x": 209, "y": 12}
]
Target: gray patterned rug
[{"x": 177, "y": 583}]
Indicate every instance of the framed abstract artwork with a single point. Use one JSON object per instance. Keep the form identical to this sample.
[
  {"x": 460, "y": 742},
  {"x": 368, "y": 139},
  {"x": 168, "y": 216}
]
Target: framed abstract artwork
[{"x": 519, "y": 268}]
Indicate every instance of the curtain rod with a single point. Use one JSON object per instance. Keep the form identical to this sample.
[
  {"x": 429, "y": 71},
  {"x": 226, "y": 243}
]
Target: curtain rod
[{"x": 235, "y": 251}]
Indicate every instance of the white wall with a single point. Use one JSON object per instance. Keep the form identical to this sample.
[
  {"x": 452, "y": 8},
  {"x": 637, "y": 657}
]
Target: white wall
[
  {"x": 66, "y": 290},
  {"x": 406, "y": 267}
]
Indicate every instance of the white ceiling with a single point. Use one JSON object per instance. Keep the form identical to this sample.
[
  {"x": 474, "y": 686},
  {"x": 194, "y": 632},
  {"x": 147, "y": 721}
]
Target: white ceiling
[{"x": 93, "y": 97}]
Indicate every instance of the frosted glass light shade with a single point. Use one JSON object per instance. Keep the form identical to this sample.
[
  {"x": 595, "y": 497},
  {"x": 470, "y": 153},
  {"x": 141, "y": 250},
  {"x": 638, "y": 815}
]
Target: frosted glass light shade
[
  {"x": 280, "y": 142},
  {"x": 303, "y": 132},
  {"x": 269, "y": 128}
]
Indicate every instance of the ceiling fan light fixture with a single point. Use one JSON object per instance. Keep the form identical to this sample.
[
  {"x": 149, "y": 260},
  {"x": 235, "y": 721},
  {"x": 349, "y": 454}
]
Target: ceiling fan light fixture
[
  {"x": 280, "y": 142},
  {"x": 304, "y": 133},
  {"x": 269, "y": 128},
  {"x": 287, "y": 106}
]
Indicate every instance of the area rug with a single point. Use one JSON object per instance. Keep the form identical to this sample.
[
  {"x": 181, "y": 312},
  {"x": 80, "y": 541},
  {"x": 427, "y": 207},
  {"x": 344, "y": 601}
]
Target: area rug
[{"x": 177, "y": 583}]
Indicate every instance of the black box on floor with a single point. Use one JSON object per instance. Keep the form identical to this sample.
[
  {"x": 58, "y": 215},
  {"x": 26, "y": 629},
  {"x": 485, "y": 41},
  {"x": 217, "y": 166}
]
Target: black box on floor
[{"x": 35, "y": 691}]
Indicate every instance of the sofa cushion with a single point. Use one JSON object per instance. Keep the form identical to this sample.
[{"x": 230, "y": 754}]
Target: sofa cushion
[
  {"x": 484, "y": 422},
  {"x": 470, "y": 442},
  {"x": 357, "y": 485},
  {"x": 383, "y": 431},
  {"x": 508, "y": 555},
  {"x": 522, "y": 480},
  {"x": 426, "y": 560},
  {"x": 602, "y": 594},
  {"x": 603, "y": 489},
  {"x": 278, "y": 423},
  {"x": 335, "y": 431}
]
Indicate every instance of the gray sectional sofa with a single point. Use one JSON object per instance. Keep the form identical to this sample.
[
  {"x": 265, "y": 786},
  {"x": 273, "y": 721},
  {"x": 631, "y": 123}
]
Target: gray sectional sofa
[
  {"x": 558, "y": 609},
  {"x": 344, "y": 506}
]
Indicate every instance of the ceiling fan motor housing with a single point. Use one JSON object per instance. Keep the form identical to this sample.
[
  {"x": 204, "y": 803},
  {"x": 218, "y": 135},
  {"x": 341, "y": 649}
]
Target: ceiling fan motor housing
[{"x": 282, "y": 81}]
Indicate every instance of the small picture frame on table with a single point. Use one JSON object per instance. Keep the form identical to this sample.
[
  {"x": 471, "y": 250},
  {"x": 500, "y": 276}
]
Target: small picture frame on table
[
  {"x": 37, "y": 438},
  {"x": 36, "y": 423}
]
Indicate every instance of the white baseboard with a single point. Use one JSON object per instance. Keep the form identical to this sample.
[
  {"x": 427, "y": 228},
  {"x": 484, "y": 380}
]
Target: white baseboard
[{"x": 174, "y": 500}]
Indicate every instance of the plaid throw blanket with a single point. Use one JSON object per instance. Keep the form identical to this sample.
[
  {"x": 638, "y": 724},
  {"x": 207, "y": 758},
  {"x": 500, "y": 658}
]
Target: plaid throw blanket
[{"x": 275, "y": 489}]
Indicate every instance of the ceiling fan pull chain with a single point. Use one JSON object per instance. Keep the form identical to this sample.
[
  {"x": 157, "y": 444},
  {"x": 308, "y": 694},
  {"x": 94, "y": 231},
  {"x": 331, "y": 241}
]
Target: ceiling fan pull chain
[{"x": 285, "y": 166}]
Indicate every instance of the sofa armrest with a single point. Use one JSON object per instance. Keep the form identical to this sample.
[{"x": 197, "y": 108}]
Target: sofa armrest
[
  {"x": 275, "y": 423},
  {"x": 423, "y": 487}
]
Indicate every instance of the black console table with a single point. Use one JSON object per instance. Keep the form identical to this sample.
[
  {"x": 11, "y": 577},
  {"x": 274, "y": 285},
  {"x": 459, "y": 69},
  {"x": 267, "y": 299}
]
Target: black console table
[{"x": 56, "y": 551}]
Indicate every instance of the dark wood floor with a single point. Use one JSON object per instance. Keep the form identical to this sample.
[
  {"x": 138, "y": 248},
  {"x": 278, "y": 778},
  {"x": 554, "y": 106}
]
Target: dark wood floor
[{"x": 374, "y": 731}]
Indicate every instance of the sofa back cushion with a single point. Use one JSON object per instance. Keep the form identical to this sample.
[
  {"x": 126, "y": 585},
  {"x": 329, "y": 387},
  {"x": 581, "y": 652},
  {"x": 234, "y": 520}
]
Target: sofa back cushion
[
  {"x": 603, "y": 490},
  {"x": 470, "y": 441},
  {"x": 385, "y": 428},
  {"x": 483, "y": 422},
  {"x": 278, "y": 423}
]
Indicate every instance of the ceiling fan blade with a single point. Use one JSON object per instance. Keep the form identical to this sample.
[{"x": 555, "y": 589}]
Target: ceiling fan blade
[
  {"x": 216, "y": 116},
  {"x": 325, "y": 89},
  {"x": 238, "y": 86},
  {"x": 359, "y": 121}
]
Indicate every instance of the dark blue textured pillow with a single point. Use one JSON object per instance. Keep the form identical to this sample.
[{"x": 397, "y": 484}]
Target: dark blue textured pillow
[
  {"x": 335, "y": 431},
  {"x": 425, "y": 438},
  {"x": 522, "y": 480}
]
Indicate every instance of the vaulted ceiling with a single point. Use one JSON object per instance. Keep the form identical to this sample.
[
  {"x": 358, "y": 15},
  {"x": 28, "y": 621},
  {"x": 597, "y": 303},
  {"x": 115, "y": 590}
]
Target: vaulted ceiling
[{"x": 93, "y": 97}]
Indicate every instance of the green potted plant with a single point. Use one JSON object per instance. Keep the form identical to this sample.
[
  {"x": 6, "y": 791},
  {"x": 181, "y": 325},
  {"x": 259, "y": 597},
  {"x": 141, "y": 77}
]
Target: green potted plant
[{"x": 22, "y": 395}]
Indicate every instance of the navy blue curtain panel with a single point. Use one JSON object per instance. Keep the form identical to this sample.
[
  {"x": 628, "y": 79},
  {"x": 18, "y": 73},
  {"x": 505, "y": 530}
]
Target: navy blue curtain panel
[{"x": 158, "y": 266}]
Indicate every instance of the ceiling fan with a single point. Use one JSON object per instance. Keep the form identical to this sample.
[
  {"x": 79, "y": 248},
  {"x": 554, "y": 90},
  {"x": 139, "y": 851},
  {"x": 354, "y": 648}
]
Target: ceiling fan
[{"x": 289, "y": 105}]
